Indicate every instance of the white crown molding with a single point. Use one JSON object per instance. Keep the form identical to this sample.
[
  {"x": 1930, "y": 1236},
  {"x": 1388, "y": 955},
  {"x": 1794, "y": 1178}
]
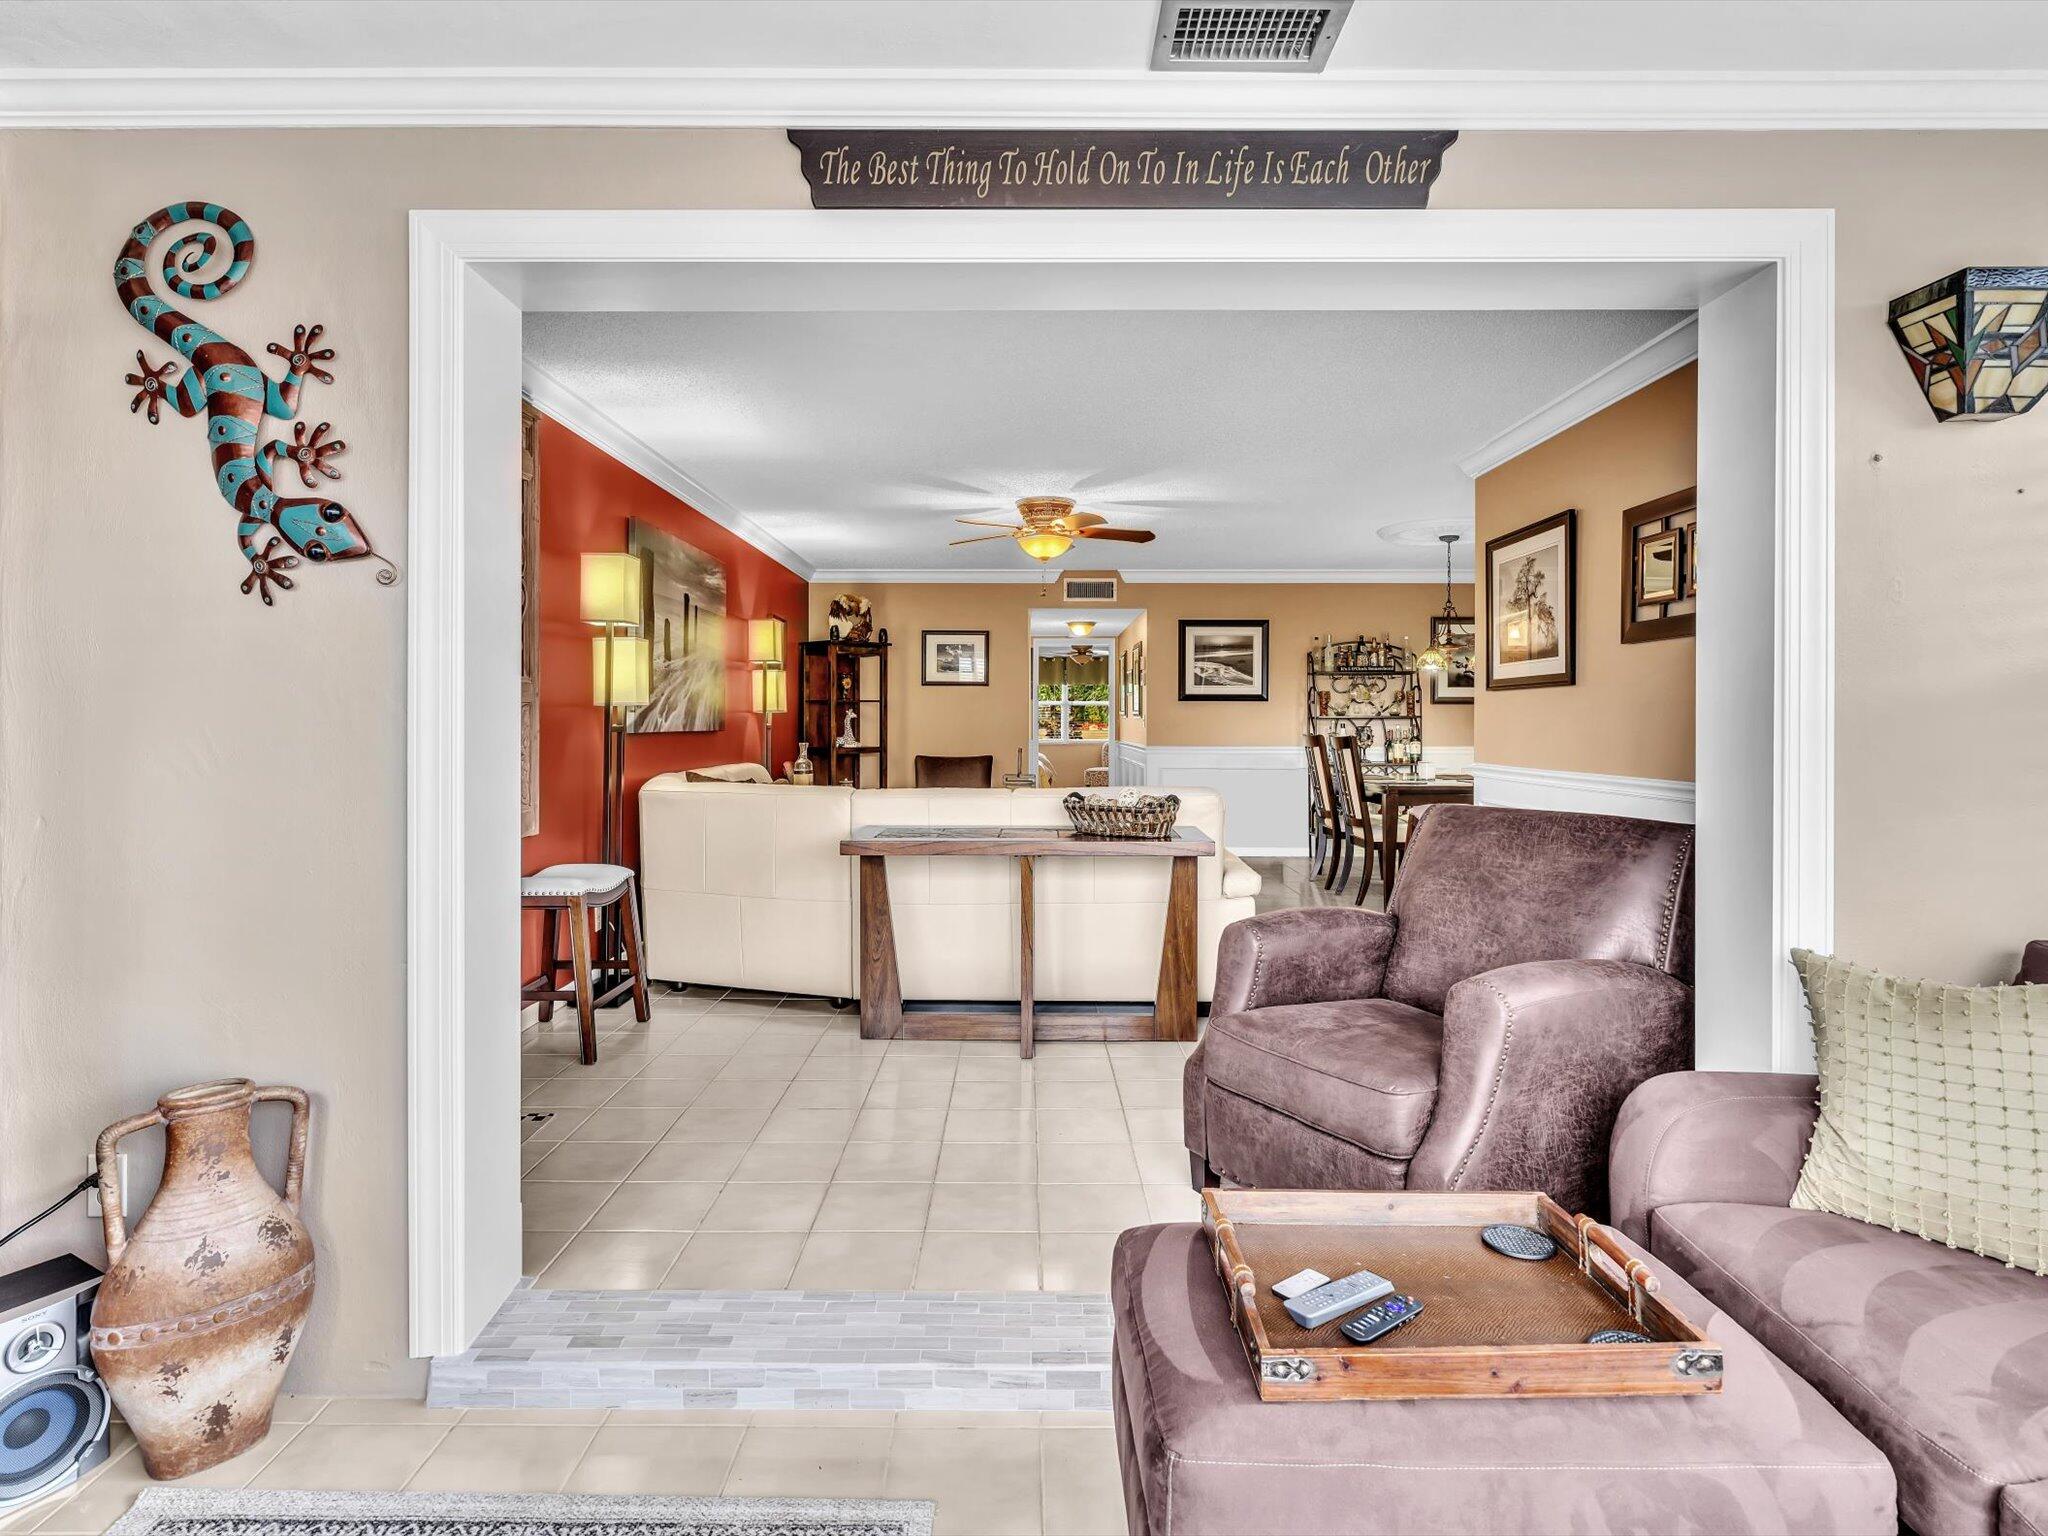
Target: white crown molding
[
  {"x": 552, "y": 398},
  {"x": 1229, "y": 578},
  {"x": 1294, "y": 578},
  {"x": 1666, "y": 352},
  {"x": 1604, "y": 794},
  {"x": 1419, "y": 99}
]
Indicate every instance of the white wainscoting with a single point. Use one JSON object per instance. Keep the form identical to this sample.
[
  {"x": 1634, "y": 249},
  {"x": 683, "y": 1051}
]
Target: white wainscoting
[
  {"x": 1264, "y": 790},
  {"x": 1126, "y": 762},
  {"x": 1608, "y": 794}
]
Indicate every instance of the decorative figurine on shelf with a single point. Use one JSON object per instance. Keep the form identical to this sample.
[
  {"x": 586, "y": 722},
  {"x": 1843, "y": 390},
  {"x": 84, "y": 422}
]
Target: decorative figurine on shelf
[
  {"x": 849, "y": 732},
  {"x": 855, "y": 613},
  {"x": 225, "y": 384},
  {"x": 800, "y": 769},
  {"x": 833, "y": 631},
  {"x": 846, "y": 685},
  {"x": 883, "y": 636}
]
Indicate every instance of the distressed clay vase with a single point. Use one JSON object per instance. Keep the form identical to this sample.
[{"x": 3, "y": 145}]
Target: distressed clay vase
[{"x": 204, "y": 1300}]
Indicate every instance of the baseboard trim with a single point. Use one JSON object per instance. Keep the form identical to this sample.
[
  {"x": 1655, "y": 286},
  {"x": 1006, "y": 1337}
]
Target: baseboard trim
[{"x": 1605, "y": 794}]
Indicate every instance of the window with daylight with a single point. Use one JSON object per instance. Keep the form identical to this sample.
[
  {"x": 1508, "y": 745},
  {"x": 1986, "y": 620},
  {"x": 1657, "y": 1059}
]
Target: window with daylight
[{"x": 1073, "y": 694}]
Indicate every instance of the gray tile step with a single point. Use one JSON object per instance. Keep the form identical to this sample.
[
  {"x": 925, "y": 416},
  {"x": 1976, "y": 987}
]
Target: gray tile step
[{"x": 959, "y": 1351}]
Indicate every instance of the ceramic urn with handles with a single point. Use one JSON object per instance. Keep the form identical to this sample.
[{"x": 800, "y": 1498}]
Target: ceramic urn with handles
[{"x": 204, "y": 1300}]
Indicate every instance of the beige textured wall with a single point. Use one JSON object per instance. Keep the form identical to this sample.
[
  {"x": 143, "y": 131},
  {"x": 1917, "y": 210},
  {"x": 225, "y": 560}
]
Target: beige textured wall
[
  {"x": 993, "y": 719},
  {"x": 202, "y": 845},
  {"x": 1631, "y": 709},
  {"x": 202, "y": 831}
]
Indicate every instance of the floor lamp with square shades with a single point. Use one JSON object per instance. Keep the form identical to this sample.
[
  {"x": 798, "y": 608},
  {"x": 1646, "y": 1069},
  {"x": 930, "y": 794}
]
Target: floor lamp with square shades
[
  {"x": 621, "y": 672},
  {"x": 767, "y": 655}
]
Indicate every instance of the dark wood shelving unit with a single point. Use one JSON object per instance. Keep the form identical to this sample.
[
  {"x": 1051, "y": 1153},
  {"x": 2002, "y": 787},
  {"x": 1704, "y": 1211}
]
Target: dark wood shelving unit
[{"x": 835, "y": 676}]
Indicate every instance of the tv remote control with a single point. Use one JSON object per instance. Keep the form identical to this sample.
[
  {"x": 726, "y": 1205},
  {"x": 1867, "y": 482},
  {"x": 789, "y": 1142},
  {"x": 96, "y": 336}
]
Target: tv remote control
[
  {"x": 1300, "y": 1283},
  {"x": 1316, "y": 1307},
  {"x": 1380, "y": 1319}
]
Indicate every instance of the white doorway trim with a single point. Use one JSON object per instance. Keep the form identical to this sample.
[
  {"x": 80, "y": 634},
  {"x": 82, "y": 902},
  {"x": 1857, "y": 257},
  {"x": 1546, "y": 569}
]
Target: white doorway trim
[{"x": 462, "y": 913}]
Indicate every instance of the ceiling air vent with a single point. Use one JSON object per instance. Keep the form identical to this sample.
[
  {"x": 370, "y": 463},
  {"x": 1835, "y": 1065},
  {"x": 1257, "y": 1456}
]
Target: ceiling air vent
[
  {"x": 1226, "y": 37},
  {"x": 1088, "y": 589}
]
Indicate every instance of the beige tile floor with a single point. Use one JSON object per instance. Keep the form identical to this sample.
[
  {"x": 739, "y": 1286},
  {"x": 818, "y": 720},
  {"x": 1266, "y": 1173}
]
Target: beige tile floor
[
  {"x": 752, "y": 1141},
  {"x": 746, "y": 1140},
  {"x": 1019, "y": 1474}
]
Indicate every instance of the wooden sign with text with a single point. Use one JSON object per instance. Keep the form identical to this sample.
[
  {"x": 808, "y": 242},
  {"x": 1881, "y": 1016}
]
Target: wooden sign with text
[{"x": 1002, "y": 168}]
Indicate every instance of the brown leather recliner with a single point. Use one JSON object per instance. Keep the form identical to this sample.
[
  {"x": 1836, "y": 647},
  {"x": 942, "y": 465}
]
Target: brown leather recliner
[
  {"x": 1531, "y": 968},
  {"x": 954, "y": 772}
]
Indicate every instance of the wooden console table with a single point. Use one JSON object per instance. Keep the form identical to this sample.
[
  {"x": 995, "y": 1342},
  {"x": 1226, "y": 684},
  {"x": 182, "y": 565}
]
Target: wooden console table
[{"x": 882, "y": 1015}]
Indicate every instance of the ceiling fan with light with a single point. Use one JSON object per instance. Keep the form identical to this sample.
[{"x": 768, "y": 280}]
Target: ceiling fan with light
[{"x": 1050, "y": 527}]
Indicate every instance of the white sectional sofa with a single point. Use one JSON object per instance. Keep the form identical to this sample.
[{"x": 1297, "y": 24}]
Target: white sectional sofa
[{"x": 744, "y": 886}]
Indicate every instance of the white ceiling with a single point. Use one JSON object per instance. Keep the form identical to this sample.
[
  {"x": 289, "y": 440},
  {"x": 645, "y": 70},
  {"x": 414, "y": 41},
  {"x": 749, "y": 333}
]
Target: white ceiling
[
  {"x": 1249, "y": 441},
  {"x": 1398, "y": 64},
  {"x": 1778, "y": 36},
  {"x": 1051, "y": 623}
]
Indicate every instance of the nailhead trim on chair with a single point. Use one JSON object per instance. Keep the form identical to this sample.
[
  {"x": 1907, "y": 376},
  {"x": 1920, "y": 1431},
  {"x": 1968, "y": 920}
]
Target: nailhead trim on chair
[
  {"x": 1500, "y": 1072},
  {"x": 1671, "y": 889}
]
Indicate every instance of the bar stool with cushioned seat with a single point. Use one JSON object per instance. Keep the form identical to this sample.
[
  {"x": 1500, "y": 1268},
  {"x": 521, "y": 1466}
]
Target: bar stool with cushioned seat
[{"x": 580, "y": 890}]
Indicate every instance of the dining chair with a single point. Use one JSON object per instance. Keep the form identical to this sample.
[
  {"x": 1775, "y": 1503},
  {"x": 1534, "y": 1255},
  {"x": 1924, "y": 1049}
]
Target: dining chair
[
  {"x": 1322, "y": 840},
  {"x": 1367, "y": 823}
]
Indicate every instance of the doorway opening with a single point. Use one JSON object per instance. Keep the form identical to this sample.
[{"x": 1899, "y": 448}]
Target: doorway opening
[{"x": 1760, "y": 282}]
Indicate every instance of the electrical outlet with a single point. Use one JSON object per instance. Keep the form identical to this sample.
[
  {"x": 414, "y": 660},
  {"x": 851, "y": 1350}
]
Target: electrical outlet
[{"x": 92, "y": 1166}]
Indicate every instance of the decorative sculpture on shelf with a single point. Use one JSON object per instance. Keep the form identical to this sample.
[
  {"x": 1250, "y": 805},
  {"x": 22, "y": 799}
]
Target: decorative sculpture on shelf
[
  {"x": 852, "y": 617},
  {"x": 236, "y": 395},
  {"x": 849, "y": 732}
]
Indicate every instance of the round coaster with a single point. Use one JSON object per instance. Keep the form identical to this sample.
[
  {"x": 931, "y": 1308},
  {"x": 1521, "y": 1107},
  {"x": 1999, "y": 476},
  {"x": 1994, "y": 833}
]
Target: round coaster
[
  {"x": 1518, "y": 1242},
  {"x": 1618, "y": 1336}
]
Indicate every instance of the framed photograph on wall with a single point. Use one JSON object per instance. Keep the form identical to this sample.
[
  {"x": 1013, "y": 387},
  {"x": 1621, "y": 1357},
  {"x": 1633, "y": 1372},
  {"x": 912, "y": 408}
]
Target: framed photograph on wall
[
  {"x": 1456, "y": 638},
  {"x": 955, "y": 658},
  {"x": 1223, "y": 660},
  {"x": 1532, "y": 605}
]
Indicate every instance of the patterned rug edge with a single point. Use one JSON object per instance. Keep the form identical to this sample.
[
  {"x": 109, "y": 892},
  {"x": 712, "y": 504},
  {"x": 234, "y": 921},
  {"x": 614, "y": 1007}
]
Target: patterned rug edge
[{"x": 154, "y": 1506}]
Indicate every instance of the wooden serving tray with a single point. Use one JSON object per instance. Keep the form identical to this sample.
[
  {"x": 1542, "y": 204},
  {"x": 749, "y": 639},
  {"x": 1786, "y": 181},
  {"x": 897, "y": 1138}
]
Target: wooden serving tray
[{"x": 1491, "y": 1326}]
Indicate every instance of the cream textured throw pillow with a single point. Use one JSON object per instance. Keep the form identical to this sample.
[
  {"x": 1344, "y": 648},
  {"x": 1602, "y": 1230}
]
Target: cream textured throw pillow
[{"x": 1933, "y": 1109}]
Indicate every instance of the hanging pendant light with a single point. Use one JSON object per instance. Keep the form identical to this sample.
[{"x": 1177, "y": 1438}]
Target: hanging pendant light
[{"x": 1436, "y": 658}]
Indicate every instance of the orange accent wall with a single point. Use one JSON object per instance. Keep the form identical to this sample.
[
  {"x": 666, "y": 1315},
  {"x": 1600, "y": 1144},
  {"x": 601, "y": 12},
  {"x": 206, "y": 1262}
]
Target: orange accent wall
[{"x": 586, "y": 500}]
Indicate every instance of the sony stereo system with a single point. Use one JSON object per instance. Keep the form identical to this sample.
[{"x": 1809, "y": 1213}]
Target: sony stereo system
[{"x": 53, "y": 1410}]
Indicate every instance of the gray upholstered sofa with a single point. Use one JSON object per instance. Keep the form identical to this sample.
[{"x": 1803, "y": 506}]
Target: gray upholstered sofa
[
  {"x": 1530, "y": 969},
  {"x": 1940, "y": 1357}
]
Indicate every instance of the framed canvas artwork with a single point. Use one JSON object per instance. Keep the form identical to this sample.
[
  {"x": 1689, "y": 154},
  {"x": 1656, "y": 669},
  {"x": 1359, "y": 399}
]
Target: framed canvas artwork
[
  {"x": 1223, "y": 660},
  {"x": 1532, "y": 605},
  {"x": 955, "y": 658},
  {"x": 683, "y": 616}
]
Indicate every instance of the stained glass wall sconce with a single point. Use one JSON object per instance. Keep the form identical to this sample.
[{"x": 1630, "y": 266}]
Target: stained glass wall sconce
[{"x": 1977, "y": 341}]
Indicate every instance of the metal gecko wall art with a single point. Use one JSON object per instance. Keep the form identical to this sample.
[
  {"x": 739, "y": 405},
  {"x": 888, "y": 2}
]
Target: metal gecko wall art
[{"x": 224, "y": 382}]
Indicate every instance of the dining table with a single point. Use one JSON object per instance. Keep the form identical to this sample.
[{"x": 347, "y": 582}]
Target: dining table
[{"x": 1399, "y": 794}]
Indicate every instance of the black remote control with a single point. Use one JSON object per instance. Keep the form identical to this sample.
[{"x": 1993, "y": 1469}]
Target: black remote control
[{"x": 1381, "y": 1318}]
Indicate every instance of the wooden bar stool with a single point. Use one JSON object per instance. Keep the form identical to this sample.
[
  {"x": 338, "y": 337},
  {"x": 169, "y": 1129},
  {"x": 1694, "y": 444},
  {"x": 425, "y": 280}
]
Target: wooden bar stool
[{"x": 581, "y": 890}]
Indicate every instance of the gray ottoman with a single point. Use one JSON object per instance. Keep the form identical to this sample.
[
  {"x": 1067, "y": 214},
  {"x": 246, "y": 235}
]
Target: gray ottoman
[{"x": 1202, "y": 1456}]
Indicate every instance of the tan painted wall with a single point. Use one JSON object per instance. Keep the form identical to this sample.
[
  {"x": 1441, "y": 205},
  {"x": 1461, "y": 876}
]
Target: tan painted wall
[
  {"x": 1631, "y": 709},
  {"x": 993, "y": 719},
  {"x": 202, "y": 826}
]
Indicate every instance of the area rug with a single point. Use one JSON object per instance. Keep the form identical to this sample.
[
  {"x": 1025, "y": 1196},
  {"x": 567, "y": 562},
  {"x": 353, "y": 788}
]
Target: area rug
[{"x": 249, "y": 1512}]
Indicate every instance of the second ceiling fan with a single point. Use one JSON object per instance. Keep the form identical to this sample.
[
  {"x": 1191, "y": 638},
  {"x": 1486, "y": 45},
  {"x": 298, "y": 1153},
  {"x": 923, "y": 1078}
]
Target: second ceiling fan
[{"x": 1050, "y": 527}]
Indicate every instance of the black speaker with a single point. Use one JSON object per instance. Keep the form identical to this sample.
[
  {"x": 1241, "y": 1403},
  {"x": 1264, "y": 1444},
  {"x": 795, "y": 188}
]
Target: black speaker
[{"x": 53, "y": 1410}]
